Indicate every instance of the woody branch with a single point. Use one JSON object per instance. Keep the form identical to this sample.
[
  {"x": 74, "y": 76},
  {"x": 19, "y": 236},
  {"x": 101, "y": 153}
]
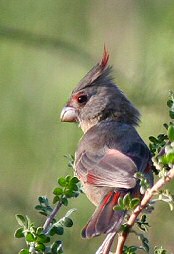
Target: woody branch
[{"x": 147, "y": 197}]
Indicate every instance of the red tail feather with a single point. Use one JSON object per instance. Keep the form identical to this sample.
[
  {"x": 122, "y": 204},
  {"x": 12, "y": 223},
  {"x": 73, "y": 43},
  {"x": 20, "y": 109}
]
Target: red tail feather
[{"x": 105, "y": 219}]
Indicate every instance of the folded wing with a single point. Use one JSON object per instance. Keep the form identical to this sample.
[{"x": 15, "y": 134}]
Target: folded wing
[{"x": 111, "y": 169}]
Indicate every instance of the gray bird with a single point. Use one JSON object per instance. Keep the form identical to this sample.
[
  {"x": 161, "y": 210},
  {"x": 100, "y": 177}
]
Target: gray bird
[{"x": 110, "y": 151}]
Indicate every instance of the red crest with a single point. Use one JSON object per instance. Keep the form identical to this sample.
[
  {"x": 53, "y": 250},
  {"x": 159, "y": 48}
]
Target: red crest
[{"x": 105, "y": 58}]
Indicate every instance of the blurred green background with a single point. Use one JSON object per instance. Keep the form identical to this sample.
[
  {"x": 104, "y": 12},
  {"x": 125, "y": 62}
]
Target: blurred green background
[{"x": 45, "y": 49}]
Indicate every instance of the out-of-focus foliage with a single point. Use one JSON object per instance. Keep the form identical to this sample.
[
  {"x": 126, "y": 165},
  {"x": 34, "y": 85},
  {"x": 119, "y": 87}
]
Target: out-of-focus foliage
[
  {"x": 45, "y": 49},
  {"x": 41, "y": 239}
]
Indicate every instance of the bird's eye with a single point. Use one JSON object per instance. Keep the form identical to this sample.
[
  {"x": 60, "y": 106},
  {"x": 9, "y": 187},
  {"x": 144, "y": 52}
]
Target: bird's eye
[{"x": 82, "y": 99}]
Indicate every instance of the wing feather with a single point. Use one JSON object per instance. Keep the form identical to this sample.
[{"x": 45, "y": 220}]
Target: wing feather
[{"x": 112, "y": 169}]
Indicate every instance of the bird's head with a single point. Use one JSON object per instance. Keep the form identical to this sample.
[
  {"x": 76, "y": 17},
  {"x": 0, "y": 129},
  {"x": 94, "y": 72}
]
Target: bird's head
[{"x": 97, "y": 98}]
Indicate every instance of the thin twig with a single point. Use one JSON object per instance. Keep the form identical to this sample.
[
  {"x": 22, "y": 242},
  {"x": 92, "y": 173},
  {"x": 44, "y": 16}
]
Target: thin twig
[
  {"x": 147, "y": 197},
  {"x": 51, "y": 217}
]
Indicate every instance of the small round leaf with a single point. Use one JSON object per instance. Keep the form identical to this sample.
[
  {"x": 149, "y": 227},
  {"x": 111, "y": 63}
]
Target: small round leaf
[
  {"x": 74, "y": 180},
  {"x": 68, "y": 178},
  {"x": 62, "y": 182},
  {"x": 56, "y": 199},
  {"x": 118, "y": 208},
  {"x": 58, "y": 191},
  {"x": 19, "y": 233},
  {"x": 30, "y": 237},
  {"x": 57, "y": 230},
  {"x": 68, "y": 222},
  {"x": 134, "y": 203},
  {"x": 169, "y": 103},
  {"x": 69, "y": 193},
  {"x": 38, "y": 207}
]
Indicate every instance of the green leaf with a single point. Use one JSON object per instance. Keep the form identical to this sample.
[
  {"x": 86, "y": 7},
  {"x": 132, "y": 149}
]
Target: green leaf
[
  {"x": 40, "y": 247},
  {"x": 58, "y": 191},
  {"x": 169, "y": 158},
  {"x": 59, "y": 230},
  {"x": 43, "y": 200},
  {"x": 118, "y": 208},
  {"x": 159, "y": 250},
  {"x": 134, "y": 203},
  {"x": 43, "y": 213},
  {"x": 143, "y": 218},
  {"x": 171, "y": 114},
  {"x": 24, "y": 251},
  {"x": 144, "y": 242},
  {"x": 29, "y": 223},
  {"x": 68, "y": 222},
  {"x": 70, "y": 159},
  {"x": 43, "y": 239},
  {"x": 120, "y": 203},
  {"x": 130, "y": 250},
  {"x": 21, "y": 220},
  {"x": 68, "y": 178},
  {"x": 125, "y": 228},
  {"x": 56, "y": 230},
  {"x": 19, "y": 233},
  {"x": 33, "y": 229},
  {"x": 38, "y": 207},
  {"x": 62, "y": 182},
  {"x": 169, "y": 103},
  {"x": 171, "y": 133},
  {"x": 30, "y": 237},
  {"x": 127, "y": 200},
  {"x": 69, "y": 193},
  {"x": 65, "y": 201},
  {"x": 56, "y": 199},
  {"x": 39, "y": 230},
  {"x": 164, "y": 160},
  {"x": 74, "y": 180},
  {"x": 73, "y": 187},
  {"x": 153, "y": 139},
  {"x": 165, "y": 126},
  {"x": 56, "y": 246},
  {"x": 52, "y": 231},
  {"x": 162, "y": 137},
  {"x": 133, "y": 248}
]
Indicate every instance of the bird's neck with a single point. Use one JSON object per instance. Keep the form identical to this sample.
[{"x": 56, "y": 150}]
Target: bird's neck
[{"x": 85, "y": 125}]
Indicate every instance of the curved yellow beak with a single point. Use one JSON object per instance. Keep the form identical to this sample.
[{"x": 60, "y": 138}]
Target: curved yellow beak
[{"x": 68, "y": 114}]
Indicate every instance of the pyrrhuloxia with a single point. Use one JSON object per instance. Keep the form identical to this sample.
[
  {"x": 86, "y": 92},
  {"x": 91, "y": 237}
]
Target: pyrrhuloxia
[{"x": 110, "y": 151}]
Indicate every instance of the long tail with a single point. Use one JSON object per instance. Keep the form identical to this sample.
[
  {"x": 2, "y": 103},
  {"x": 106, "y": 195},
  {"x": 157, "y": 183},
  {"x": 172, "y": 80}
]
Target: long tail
[
  {"x": 106, "y": 245},
  {"x": 105, "y": 219}
]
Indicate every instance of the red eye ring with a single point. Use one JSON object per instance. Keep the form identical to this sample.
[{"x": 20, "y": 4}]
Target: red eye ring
[{"x": 82, "y": 99}]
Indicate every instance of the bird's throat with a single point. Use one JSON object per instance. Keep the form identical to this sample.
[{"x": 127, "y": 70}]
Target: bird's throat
[{"x": 85, "y": 125}]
